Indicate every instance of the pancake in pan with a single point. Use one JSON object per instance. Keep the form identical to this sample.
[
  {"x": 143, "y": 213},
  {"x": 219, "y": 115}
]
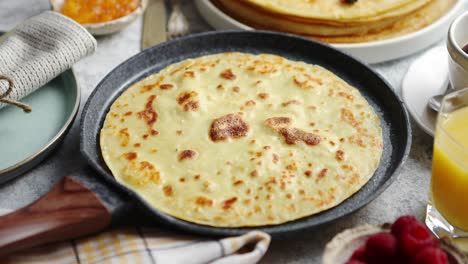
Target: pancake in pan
[{"x": 237, "y": 140}]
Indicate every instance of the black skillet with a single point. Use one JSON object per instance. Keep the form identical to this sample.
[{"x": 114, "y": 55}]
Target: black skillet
[{"x": 63, "y": 214}]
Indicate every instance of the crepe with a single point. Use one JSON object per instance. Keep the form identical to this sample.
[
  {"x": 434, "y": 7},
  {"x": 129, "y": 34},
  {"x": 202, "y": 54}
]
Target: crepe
[
  {"x": 264, "y": 20},
  {"x": 236, "y": 139},
  {"x": 417, "y": 21},
  {"x": 335, "y": 10},
  {"x": 394, "y": 22}
]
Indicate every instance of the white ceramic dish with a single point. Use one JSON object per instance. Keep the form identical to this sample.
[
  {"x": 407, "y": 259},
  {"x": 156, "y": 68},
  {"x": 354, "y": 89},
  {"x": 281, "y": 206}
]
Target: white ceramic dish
[
  {"x": 426, "y": 77},
  {"x": 370, "y": 52},
  {"x": 105, "y": 28}
]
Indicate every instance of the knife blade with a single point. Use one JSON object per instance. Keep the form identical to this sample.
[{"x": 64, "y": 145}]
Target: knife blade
[{"x": 154, "y": 24}]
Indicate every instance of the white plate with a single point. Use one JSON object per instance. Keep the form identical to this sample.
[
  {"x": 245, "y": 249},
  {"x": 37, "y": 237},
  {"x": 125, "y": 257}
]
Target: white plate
[
  {"x": 426, "y": 77},
  {"x": 370, "y": 52}
]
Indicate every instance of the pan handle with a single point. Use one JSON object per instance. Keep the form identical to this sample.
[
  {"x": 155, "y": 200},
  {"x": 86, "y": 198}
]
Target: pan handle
[{"x": 68, "y": 210}]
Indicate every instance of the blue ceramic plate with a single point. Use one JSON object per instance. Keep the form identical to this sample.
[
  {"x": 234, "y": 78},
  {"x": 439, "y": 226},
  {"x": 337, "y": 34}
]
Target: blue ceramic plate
[{"x": 26, "y": 139}]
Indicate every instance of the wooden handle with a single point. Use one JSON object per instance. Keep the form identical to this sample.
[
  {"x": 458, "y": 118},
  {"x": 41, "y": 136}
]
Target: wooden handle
[{"x": 68, "y": 211}]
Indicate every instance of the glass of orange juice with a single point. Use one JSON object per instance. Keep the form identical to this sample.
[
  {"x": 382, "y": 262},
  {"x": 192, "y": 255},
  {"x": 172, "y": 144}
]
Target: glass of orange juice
[{"x": 447, "y": 211}]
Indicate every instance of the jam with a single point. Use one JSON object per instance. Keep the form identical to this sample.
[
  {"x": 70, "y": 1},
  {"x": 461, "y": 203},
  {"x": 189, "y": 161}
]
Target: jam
[{"x": 97, "y": 11}]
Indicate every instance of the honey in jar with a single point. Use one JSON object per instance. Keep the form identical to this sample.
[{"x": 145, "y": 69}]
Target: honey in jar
[{"x": 97, "y": 11}]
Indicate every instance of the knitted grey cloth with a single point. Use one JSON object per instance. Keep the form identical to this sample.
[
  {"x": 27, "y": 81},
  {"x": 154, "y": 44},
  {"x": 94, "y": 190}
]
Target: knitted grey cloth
[{"x": 38, "y": 50}]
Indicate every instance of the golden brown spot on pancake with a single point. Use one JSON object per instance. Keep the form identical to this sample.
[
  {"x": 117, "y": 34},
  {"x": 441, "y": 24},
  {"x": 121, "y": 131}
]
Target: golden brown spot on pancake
[
  {"x": 124, "y": 137},
  {"x": 348, "y": 117},
  {"x": 187, "y": 100},
  {"x": 236, "y": 89},
  {"x": 154, "y": 132},
  {"x": 276, "y": 158},
  {"x": 145, "y": 136},
  {"x": 191, "y": 106},
  {"x": 311, "y": 124},
  {"x": 147, "y": 88},
  {"x": 154, "y": 151},
  {"x": 220, "y": 87},
  {"x": 182, "y": 179},
  {"x": 321, "y": 175},
  {"x": 292, "y": 166},
  {"x": 340, "y": 155},
  {"x": 254, "y": 173},
  {"x": 187, "y": 154},
  {"x": 357, "y": 140},
  {"x": 332, "y": 143},
  {"x": 308, "y": 173},
  {"x": 292, "y": 135},
  {"x": 196, "y": 177},
  {"x": 168, "y": 190},
  {"x": 128, "y": 113},
  {"x": 130, "y": 156},
  {"x": 228, "y": 126},
  {"x": 301, "y": 192},
  {"x": 149, "y": 114},
  {"x": 250, "y": 103},
  {"x": 251, "y": 143},
  {"x": 203, "y": 201},
  {"x": 267, "y": 147},
  {"x": 228, "y": 75},
  {"x": 263, "y": 96},
  {"x": 166, "y": 86},
  {"x": 227, "y": 204},
  {"x": 137, "y": 145},
  {"x": 289, "y": 196},
  {"x": 179, "y": 132},
  {"x": 278, "y": 122},
  {"x": 238, "y": 182},
  {"x": 189, "y": 74},
  {"x": 290, "y": 102},
  {"x": 346, "y": 95}
]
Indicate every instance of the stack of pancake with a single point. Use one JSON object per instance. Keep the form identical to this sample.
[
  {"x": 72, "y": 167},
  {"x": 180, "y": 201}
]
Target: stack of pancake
[{"x": 338, "y": 21}]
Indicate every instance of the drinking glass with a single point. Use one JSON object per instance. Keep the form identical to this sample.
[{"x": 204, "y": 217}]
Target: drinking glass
[{"x": 447, "y": 211}]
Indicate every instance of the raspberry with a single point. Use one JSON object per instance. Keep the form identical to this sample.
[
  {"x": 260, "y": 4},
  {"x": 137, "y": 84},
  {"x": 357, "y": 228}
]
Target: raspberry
[
  {"x": 355, "y": 262},
  {"x": 381, "y": 246},
  {"x": 401, "y": 224},
  {"x": 416, "y": 238},
  {"x": 359, "y": 253},
  {"x": 430, "y": 255}
]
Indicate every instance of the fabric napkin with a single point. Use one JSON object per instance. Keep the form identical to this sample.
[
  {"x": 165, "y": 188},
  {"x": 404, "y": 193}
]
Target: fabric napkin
[
  {"x": 146, "y": 245},
  {"x": 37, "y": 51}
]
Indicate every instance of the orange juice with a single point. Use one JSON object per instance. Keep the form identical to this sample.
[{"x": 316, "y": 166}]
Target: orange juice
[{"x": 449, "y": 185}]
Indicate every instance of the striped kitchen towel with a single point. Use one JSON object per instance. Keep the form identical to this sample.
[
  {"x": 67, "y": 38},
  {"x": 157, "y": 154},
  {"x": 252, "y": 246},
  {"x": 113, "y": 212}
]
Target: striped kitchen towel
[{"x": 147, "y": 245}]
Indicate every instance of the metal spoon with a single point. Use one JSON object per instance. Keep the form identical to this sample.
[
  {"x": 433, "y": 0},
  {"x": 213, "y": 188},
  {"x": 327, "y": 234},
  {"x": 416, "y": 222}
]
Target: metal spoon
[{"x": 436, "y": 101}]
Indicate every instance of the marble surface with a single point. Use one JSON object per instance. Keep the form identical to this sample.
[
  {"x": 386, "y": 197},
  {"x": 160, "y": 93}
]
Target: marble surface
[{"x": 407, "y": 195}]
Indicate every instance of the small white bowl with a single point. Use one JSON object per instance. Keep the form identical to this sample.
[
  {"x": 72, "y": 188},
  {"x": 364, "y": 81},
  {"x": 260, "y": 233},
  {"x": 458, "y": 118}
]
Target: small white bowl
[
  {"x": 343, "y": 245},
  {"x": 109, "y": 27}
]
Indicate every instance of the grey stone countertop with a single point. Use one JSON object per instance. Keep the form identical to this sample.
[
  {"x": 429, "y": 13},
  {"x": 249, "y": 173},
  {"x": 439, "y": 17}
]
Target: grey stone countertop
[{"x": 407, "y": 195}]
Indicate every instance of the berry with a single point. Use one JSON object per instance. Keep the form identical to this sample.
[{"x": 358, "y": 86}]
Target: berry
[
  {"x": 359, "y": 253},
  {"x": 381, "y": 246},
  {"x": 416, "y": 238},
  {"x": 402, "y": 224},
  {"x": 430, "y": 255},
  {"x": 355, "y": 262}
]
